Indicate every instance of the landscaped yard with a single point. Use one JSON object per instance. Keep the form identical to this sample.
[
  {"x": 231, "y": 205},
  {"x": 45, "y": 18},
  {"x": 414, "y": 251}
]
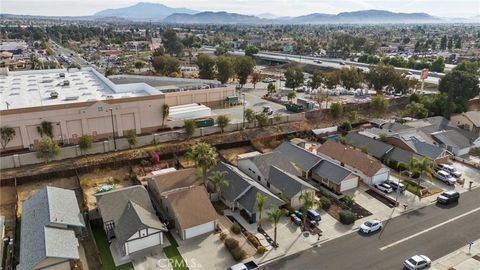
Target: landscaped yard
[
  {"x": 425, "y": 191},
  {"x": 172, "y": 253},
  {"x": 105, "y": 254}
]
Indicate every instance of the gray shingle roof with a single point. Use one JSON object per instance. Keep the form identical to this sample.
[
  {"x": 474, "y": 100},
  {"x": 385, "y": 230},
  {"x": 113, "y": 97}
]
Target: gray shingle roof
[
  {"x": 243, "y": 188},
  {"x": 474, "y": 116},
  {"x": 289, "y": 184},
  {"x": 112, "y": 203},
  {"x": 401, "y": 156},
  {"x": 451, "y": 138},
  {"x": 133, "y": 219},
  {"x": 275, "y": 158},
  {"x": 298, "y": 155},
  {"x": 331, "y": 171},
  {"x": 375, "y": 148},
  {"x": 39, "y": 240}
]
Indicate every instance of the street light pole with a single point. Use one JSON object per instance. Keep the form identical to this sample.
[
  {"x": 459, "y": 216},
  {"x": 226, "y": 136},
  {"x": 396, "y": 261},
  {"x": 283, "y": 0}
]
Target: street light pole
[
  {"x": 113, "y": 130},
  {"x": 243, "y": 123}
]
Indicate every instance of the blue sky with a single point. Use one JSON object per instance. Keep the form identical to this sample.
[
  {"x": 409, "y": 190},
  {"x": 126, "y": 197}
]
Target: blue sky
[{"x": 442, "y": 8}]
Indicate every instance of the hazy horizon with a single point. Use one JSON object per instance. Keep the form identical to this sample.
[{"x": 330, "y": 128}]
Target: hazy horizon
[{"x": 439, "y": 8}]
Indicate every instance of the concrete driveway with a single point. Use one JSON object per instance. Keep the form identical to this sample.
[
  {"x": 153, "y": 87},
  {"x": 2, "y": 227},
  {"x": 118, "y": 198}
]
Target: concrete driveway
[
  {"x": 154, "y": 258},
  {"x": 205, "y": 252}
]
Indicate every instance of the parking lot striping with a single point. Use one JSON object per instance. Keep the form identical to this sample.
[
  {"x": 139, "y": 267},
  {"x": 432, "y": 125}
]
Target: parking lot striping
[{"x": 429, "y": 229}]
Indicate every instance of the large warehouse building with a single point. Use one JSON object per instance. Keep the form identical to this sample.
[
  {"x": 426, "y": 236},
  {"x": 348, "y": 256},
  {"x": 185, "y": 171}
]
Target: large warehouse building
[{"x": 83, "y": 101}]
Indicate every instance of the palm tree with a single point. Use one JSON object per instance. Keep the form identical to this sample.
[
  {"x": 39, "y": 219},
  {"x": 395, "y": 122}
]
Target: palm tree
[
  {"x": 205, "y": 158},
  {"x": 416, "y": 168},
  {"x": 274, "y": 216},
  {"x": 165, "y": 113},
  {"x": 260, "y": 200},
  {"x": 217, "y": 178},
  {"x": 309, "y": 201}
]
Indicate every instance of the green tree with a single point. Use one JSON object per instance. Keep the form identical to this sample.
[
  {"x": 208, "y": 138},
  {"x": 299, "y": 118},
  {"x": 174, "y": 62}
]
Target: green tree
[
  {"x": 349, "y": 201},
  {"x": 166, "y": 65},
  {"x": 256, "y": 77},
  {"x": 204, "y": 157},
  {"x": 416, "y": 110},
  {"x": 243, "y": 68},
  {"x": 160, "y": 51},
  {"x": 380, "y": 76},
  {"x": 460, "y": 87},
  {"x": 251, "y": 50},
  {"x": 317, "y": 79},
  {"x": 331, "y": 80},
  {"x": 85, "y": 142},
  {"x": 47, "y": 149},
  {"x": 223, "y": 121},
  {"x": 260, "y": 200},
  {"x": 293, "y": 77},
  {"x": 74, "y": 66},
  {"x": 218, "y": 180},
  {"x": 472, "y": 67},
  {"x": 165, "y": 113},
  {"x": 45, "y": 128},
  {"x": 351, "y": 77},
  {"x": 379, "y": 104},
  {"x": 271, "y": 89},
  {"x": 418, "y": 168},
  {"x": 190, "y": 127},
  {"x": 172, "y": 43},
  {"x": 346, "y": 126},
  {"x": 308, "y": 201},
  {"x": 353, "y": 116},
  {"x": 250, "y": 115},
  {"x": 132, "y": 137},
  {"x": 225, "y": 69},
  {"x": 438, "y": 65},
  {"x": 7, "y": 134},
  {"x": 291, "y": 95},
  {"x": 262, "y": 119},
  {"x": 336, "y": 110},
  {"x": 274, "y": 216},
  {"x": 443, "y": 43},
  {"x": 139, "y": 65},
  {"x": 206, "y": 66}
]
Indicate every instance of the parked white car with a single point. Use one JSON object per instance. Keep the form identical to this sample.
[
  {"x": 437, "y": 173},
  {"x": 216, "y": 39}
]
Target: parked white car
[
  {"x": 384, "y": 187},
  {"x": 445, "y": 177},
  {"x": 371, "y": 226},
  {"x": 417, "y": 262},
  {"x": 450, "y": 169}
]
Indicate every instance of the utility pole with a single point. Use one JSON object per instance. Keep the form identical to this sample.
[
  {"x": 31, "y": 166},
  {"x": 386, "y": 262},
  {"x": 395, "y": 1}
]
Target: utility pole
[
  {"x": 243, "y": 122},
  {"x": 113, "y": 130}
]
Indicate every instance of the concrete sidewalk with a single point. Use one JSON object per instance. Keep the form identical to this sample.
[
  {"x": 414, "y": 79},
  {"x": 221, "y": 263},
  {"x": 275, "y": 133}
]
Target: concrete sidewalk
[{"x": 460, "y": 259}]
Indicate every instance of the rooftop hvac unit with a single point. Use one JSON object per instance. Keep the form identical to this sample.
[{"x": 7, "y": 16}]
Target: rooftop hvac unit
[
  {"x": 109, "y": 97},
  {"x": 71, "y": 98},
  {"x": 61, "y": 75},
  {"x": 53, "y": 94}
]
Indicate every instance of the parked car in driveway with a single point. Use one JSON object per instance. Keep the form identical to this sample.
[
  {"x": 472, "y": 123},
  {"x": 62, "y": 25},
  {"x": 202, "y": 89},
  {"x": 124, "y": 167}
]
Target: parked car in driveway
[
  {"x": 448, "y": 197},
  {"x": 251, "y": 265},
  {"x": 384, "y": 187},
  {"x": 296, "y": 220},
  {"x": 445, "y": 177},
  {"x": 371, "y": 226},
  {"x": 449, "y": 169},
  {"x": 396, "y": 185},
  {"x": 267, "y": 109},
  {"x": 313, "y": 215},
  {"x": 417, "y": 262},
  {"x": 298, "y": 213}
]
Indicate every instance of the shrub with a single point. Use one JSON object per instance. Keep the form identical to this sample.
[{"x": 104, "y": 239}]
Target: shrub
[
  {"x": 116, "y": 179},
  {"x": 255, "y": 242},
  {"x": 223, "y": 236},
  {"x": 261, "y": 250},
  {"x": 109, "y": 181},
  {"x": 238, "y": 254},
  {"x": 349, "y": 201},
  {"x": 236, "y": 228},
  {"x": 231, "y": 243},
  {"x": 347, "y": 217},
  {"x": 145, "y": 163},
  {"x": 326, "y": 203}
]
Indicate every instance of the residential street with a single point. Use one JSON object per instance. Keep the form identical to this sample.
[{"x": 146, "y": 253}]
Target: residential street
[{"x": 433, "y": 231}]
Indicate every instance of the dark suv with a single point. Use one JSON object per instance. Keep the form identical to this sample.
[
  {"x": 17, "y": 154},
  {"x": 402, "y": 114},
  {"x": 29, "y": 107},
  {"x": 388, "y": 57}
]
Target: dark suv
[{"x": 448, "y": 197}]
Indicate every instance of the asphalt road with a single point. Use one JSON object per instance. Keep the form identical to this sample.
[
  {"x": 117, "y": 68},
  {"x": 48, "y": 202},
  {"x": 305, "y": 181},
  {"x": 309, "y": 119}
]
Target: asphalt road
[{"x": 401, "y": 238}]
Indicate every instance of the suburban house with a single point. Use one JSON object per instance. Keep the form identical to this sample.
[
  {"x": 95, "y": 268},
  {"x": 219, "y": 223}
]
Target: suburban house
[
  {"x": 453, "y": 141},
  {"x": 468, "y": 120},
  {"x": 51, "y": 221},
  {"x": 129, "y": 219},
  {"x": 242, "y": 191},
  {"x": 180, "y": 198},
  {"x": 370, "y": 170},
  {"x": 276, "y": 173},
  {"x": 334, "y": 177},
  {"x": 303, "y": 160}
]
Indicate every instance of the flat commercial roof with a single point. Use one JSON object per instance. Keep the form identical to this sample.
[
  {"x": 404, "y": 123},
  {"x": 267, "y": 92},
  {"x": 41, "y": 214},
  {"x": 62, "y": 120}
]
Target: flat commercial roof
[{"x": 24, "y": 89}]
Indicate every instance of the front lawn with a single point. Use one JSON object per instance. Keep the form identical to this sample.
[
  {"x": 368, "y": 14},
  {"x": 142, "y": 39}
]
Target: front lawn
[
  {"x": 173, "y": 254},
  {"x": 103, "y": 248},
  {"x": 411, "y": 188}
]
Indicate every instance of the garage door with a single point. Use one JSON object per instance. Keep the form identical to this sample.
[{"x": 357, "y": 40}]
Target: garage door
[
  {"x": 199, "y": 230},
  {"x": 380, "y": 178},
  {"x": 143, "y": 243},
  {"x": 349, "y": 184}
]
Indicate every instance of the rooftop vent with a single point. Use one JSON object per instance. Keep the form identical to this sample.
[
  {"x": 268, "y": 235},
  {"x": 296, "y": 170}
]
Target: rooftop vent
[{"x": 71, "y": 98}]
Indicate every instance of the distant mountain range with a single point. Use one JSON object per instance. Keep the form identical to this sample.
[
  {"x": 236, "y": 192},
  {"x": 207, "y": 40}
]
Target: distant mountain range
[{"x": 155, "y": 12}]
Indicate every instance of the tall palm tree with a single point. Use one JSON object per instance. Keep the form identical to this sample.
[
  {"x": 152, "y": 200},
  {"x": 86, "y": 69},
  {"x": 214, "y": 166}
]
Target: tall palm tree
[
  {"x": 204, "y": 157},
  {"x": 274, "y": 216},
  {"x": 309, "y": 201},
  {"x": 218, "y": 180},
  {"x": 416, "y": 168},
  {"x": 260, "y": 200}
]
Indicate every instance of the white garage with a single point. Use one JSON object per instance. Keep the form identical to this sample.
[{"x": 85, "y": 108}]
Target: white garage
[
  {"x": 198, "y": 230},
  {"x": 381, "y": 176},
  {"x": 142, "y": 243},
  {"x": 348, "y": 184}
]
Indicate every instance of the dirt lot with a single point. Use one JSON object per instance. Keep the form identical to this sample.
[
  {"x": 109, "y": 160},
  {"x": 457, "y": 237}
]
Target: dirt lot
[
  {"x": 90, "y": 182},
  {"x": 231, "y": 155},
  {"x": 7, "y": 208}
]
